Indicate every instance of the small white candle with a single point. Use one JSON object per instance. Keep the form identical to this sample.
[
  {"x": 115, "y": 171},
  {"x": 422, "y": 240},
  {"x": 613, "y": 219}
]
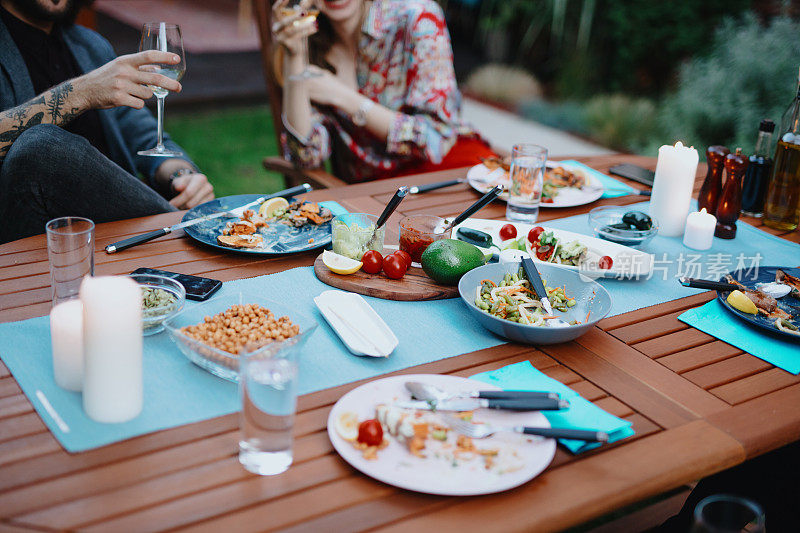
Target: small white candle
[
  {"x": 699, "y": 232},
  {"x": 66, "y": 336},
  {"x": 672, "y": 188},
  {"x": 112, "y": 332}
]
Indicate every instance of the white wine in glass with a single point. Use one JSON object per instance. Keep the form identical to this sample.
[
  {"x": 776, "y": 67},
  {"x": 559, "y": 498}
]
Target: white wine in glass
[
  {"x": 165, "y": 38},
  {"x": 295, "y": 7}
]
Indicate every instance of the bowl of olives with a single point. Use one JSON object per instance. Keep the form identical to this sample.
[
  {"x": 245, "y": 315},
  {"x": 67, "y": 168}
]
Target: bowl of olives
[{"x": 623, "y": 225}]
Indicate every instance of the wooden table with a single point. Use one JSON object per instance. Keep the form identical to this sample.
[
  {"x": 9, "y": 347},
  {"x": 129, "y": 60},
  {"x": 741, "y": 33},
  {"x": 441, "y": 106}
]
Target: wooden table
[{"x": 698, "y": 406}]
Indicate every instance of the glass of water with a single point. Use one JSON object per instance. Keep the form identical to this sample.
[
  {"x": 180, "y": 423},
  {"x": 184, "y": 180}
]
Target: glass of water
[
  {"x": 166, "y": 38},
  {"x": 725, "y": 513},
  {"x": 527, "y": 179},
  {"x": 70, "y": 251},
  {"x": 268, "y": 387}
]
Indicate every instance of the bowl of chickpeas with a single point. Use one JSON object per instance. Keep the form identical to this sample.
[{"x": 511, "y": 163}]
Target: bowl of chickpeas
[{"x": 215, "y": 334}]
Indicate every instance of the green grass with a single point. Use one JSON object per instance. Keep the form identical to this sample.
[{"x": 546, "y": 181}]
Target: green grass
[{"x": 228, "y": 145}]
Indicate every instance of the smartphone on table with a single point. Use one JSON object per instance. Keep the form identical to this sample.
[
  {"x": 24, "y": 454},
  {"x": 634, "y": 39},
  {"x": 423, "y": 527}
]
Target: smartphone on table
[
  {"x": 197, "y": 288},
  {"x": 634, "y": 172}
]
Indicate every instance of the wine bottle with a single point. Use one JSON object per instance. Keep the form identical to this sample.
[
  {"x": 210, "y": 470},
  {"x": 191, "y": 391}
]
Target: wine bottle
[
  {"x": 783, "y": 194},
  {"x": 756, "y": 180}
]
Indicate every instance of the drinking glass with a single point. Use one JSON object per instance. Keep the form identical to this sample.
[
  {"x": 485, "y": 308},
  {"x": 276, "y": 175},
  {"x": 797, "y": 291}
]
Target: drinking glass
[
  {"x": 166, "y": 38},
  {"x": 70, "y": 249},
  {"x": 268, "y": 387},
  {"x": 724, "y": 513},
  {"x": 527, "y": 179},
  {"x": 294, "y": 7}
]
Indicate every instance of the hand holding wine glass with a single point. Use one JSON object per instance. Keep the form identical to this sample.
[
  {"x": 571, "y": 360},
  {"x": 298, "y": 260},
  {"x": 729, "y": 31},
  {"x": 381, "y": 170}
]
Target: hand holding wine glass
[
  {"x": 163, "y": 37},
  {"x": 293, "y": 22}
]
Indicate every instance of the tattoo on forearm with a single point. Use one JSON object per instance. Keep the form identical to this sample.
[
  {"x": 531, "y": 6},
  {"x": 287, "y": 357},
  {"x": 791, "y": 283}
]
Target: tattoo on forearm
[{"x": 47, "y": 108}]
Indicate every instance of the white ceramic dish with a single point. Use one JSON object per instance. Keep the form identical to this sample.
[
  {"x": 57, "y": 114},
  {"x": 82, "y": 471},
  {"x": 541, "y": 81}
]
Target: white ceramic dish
[
  {"x": 356, "y": 323},
  {"x": 396, "y": 466},
  {"x": 481, "y": 178},
  {"x": 628, "y": 263}
]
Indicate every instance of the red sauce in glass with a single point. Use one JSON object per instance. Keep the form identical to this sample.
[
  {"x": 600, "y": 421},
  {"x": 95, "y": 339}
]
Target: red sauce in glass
[{"x": 414, "y": 242}]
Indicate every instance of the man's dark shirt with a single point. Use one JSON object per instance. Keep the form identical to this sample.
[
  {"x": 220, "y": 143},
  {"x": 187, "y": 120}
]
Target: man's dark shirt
[{"x": 50, "y": 63}]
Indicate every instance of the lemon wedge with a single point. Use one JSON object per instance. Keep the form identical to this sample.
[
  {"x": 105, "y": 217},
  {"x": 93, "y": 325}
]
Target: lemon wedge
[
  {"x": 740, "y": 301},
  {"x": 347, "y": 425},
  {"x": 268, "y": 208},
  {"x": 339, "y": 263}
]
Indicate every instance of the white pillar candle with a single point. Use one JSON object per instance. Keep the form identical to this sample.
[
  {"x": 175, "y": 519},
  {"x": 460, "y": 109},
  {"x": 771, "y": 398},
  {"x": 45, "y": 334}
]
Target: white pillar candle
[
  {"x": 66, "y": 336},
  {"x": 672, "y": 188},
  {"x": 699, "y": 232},
  {"x": 112, "y": 333}
]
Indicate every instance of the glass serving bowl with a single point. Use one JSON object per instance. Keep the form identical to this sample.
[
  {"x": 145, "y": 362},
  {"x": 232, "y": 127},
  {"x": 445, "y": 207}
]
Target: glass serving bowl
[
  {"x": 602, "y": 220},
  {"x": 352, "y": 234},
  {"x": 225, "y": 364},
  {"x": 419, "y": 231},
  {"x": 153, "y": 317}
]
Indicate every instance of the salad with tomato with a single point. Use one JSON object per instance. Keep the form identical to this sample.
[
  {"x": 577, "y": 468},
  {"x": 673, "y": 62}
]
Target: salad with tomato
[{"x": 549, "y": 248}]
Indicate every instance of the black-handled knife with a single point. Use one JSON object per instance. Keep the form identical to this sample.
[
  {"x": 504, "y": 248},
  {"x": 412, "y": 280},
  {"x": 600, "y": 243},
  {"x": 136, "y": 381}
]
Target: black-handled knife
[
  {"x": 528, "y": 404},
  {"x": 515, "y": 394},
  {"x": 707, "y": 284},
  {"x": 417, "y": 189},
  {"x": 149, "y": 236},
  {"x": 556, "y": 433}
]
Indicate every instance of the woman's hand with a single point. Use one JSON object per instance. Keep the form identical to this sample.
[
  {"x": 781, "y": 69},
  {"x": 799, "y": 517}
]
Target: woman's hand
[
  {"x": 290, "y": 25},
  {"x": 326, "y": 89}
]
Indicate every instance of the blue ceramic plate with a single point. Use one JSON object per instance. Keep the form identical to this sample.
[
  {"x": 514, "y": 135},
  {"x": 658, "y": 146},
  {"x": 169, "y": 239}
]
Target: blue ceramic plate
[
  {"x": 279, "y": 238},
  {"x": 764, "y": 275}
]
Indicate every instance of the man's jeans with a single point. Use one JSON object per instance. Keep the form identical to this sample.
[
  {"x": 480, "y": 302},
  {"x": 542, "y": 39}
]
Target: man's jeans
[{"x": 51, "y": 173}]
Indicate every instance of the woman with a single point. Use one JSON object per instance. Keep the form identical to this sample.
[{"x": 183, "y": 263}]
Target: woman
[{"x": 384, "y": 100}]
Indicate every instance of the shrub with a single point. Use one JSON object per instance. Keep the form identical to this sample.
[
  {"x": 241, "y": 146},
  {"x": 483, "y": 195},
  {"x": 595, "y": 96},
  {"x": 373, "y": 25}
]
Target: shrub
[
  {"x": 621, "y": 122},
  {"x": 504, "y": 84}
]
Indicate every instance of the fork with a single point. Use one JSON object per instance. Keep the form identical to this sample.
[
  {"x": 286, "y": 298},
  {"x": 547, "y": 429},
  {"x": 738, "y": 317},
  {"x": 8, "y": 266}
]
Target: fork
[{"x": 483, "y": 430}]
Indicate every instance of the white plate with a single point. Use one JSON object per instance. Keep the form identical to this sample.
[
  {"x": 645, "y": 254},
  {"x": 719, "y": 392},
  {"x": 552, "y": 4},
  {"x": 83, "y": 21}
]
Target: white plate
[
  {"x": 396, "y": 466},
  {"x": 482, "y": 179},
  {"x": 628, "y": 263},
  {"x": 361, "y": 329}
]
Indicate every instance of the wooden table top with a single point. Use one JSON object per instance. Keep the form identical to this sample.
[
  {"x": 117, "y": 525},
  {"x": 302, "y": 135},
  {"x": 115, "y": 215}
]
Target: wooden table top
[{"x": 698, "y": 406}]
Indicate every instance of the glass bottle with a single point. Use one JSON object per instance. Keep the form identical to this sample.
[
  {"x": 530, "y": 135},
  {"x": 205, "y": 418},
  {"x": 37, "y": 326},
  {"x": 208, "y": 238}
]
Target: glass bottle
[
  {"x": 730, "y": 202},
  {"x": 782, "y": 203},
  {"x": 754, "y": 188},
  {"x": 712, "y": 186}
]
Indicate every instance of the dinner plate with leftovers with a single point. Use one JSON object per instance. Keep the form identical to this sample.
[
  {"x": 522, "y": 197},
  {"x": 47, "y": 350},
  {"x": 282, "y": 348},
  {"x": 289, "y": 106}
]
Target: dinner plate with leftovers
[
  {"x": 275, "y": 227},
  {"x": 589, "y": 255},
  {"x": 417, "y": 450},
  {"x": 565, "y": 185}
]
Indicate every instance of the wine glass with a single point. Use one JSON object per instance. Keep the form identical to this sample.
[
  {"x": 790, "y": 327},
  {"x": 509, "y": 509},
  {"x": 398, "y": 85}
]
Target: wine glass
[
  {"x": 725, "y": 513},
  {"x": 165, "y": 38},
  {"x": 292, "y": 8}
]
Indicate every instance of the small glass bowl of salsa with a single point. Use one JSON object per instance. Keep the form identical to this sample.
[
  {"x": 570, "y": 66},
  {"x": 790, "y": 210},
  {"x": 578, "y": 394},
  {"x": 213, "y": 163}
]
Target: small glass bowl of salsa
[{"x": 419, "y": 231}]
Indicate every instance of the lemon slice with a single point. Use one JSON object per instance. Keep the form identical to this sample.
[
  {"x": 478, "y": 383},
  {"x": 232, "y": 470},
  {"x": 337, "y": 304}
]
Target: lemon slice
[
  {"x": 347, "y": 426},
  {"x": 268, "y": 208},
  {"x": 740, "y": 301},
  {"x": 339, "y": 263}
]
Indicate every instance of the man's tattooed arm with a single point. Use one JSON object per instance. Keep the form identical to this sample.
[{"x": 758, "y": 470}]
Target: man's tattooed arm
[{"x": 57, "y": 106}]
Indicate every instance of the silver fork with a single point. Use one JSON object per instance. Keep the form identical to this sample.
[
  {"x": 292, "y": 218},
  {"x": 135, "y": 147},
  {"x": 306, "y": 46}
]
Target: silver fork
[{"x": 483, "y": 430}]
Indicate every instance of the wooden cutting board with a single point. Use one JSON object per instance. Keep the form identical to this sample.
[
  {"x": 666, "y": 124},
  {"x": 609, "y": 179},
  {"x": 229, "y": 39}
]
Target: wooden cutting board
[{"x": 414, "y": 285}]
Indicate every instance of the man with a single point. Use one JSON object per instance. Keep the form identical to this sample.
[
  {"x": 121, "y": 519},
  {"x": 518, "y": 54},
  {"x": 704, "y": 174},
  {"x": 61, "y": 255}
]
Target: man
[{"x": 72, "y": 118}]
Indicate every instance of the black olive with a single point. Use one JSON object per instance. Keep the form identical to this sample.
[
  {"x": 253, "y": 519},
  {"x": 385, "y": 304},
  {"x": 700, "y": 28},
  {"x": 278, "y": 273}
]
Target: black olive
[{"x": 637, "y": 220}]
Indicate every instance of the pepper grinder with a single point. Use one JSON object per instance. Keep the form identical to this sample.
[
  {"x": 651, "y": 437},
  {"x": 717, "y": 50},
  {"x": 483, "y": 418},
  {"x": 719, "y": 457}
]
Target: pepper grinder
[
  {"x": 730, "y": 203},
  {"x": 712, "y": 187}
]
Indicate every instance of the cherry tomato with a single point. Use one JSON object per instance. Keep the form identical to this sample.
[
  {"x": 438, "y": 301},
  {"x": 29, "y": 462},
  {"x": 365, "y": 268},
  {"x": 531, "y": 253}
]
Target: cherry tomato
[
  {"x": 394, "y": 266},
  {"x": 370, "y": 432},
  {"x": 543, "y": 252},
  {"x": 533, "y": 234},
  {"x": 605, "y": 262},
  {"x": 508, "y": 232},
  {"x": 406, "y": 257},
  {"x": 373, "y": 262},
  {"x": 547, "y": 200}
]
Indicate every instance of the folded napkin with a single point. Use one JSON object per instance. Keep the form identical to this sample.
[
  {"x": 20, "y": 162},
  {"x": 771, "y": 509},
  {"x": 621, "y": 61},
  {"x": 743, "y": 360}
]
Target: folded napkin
[
  {"x": 582, "y": 414},
  {"x": 607, "y": 181},
  {"x": 714, "y": 319},
  {"x": 335, "y": 207}
]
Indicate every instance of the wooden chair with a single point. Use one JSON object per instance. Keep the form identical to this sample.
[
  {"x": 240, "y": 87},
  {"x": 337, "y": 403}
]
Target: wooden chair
[{"x": 316, "y": 177}]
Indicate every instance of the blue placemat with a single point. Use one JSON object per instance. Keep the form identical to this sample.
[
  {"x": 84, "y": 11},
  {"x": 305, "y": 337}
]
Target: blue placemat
[
  {"x": 714, "y": 319},
  {"x": 618, "y": 188},
  {"x": 582, "y": 414},
  {"x": 751, "y": 247},
  {"x": 177, "y": 392}
]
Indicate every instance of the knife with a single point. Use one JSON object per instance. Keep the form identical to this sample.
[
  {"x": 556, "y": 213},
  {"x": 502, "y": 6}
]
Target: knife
[
  {"x": 424, "y": 391},
  {"x": 236, "y": 212},
  {"x": 707, "y": 284},
  {"x": 470, "y": 404},
  {"x": 417, "y": 189},
  {"x": 536, "y": 281}
]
